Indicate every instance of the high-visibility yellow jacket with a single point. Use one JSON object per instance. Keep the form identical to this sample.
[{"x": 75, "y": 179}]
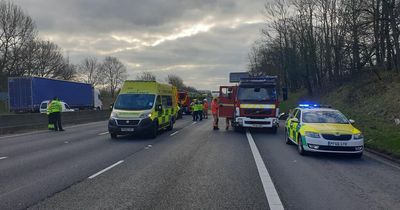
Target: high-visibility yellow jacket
[{"x": 55, "y": 106}]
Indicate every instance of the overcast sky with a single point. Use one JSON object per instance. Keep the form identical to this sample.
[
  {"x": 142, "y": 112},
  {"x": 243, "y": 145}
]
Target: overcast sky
[{"x": 199, "y": 40}]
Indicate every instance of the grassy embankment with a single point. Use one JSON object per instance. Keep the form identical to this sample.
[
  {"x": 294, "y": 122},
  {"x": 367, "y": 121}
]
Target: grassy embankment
[{"x": 374, "y": 104}]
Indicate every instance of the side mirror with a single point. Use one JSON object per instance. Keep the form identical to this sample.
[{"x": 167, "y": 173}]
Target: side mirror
[
  {"x": 283, "y": 116},
  {"x": 158, "y": 107},
  {"x": 295, "y": 120},
  {"x": 351, "y": 121}
]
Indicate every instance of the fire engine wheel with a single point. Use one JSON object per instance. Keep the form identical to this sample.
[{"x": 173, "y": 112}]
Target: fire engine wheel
[
  {"x": 274, "y": 130},
  {"x": 238, "y": 129}
]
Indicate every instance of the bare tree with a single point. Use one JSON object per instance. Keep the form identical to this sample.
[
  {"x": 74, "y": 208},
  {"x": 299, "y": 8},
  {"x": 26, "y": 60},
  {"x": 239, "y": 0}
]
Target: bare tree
[
  {"x": 146, "y": 76},
  {"x": 114, "y": 73},
  {"x": 17, "y": 30},
  {"x": 90, "y": 70},
  {"x": 176, "y": 81}
]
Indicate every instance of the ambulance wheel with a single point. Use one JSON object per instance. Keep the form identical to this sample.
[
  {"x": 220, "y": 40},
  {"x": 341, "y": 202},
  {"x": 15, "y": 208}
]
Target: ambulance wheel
[
  {"x": 153, "y": 131},
  {"x": 300, "y": 147},
  {"x": 287, "y": 140},
  {"x": 113, "y": 135},
  {"x": 171, "y": 124}
]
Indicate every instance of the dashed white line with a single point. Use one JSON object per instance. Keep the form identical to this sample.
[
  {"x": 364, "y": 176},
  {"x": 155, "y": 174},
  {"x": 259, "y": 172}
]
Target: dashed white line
[
  {"x": 270, "y": 192},
  {"x": 194, "y": 123},
  {"x": 100, "y": 134},
  {"x": 106, "y": 169},
  {"x": 2, "y": 158},
  {"x": 174, "y": 133}
]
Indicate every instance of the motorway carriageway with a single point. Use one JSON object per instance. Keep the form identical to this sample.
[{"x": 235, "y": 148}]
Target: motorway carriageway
[{"x": 190, "y": 167}]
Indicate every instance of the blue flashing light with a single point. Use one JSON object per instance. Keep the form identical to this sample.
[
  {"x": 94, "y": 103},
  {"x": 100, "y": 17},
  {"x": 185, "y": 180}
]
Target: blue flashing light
[{"x": 309, "y": 105}]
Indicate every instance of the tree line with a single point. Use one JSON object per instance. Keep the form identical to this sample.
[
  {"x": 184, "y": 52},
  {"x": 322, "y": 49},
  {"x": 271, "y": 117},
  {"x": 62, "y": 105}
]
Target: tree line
[{"x": 318, "y": 43}]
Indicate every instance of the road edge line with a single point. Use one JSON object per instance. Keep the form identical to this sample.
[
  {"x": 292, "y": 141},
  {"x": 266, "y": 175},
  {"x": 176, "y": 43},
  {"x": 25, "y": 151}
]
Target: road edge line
[
  {"x": 106, "y": 169},
  {"x": 273, "y": 199}
]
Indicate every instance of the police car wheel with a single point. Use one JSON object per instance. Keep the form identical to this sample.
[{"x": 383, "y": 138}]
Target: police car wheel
[
  {"x": 358, "y": 155},
  {"x": 300, "y": 147},
  {"x": 287, "y": 140}
]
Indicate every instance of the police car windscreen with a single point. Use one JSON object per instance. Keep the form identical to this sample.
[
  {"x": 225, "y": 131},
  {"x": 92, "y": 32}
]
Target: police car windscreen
[
  {"x": 324, "y": 117},
  {"x": 256, "y": 94},
  {"x": 134, "y": 101}
]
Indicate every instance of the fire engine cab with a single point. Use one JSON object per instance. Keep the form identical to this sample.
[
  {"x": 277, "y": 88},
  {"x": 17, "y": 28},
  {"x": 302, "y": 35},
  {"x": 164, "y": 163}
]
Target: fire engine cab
[{"x": 252, "y": 103}]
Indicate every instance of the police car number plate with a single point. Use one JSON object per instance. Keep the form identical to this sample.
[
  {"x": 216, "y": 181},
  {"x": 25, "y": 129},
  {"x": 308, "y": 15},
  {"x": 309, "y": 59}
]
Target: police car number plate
[
  {"x": 337, "y": 144},
  {"x": 127, "y": 129}
]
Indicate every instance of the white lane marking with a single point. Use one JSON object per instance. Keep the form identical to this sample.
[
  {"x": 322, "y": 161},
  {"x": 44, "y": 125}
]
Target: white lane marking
[
  {"x": 106, "y": 169},
  {"x": 100, "y": 134},
  {"x": 194, "y": 123},
  {"x": 2, "y": 158},
  {"x": 270, "y": 192},
  {"x": 174, "y": 133},
  {"x": 148, "y": 146}
]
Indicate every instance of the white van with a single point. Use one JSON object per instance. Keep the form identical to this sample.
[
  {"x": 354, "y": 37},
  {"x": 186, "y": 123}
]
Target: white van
[{"x": 65, "y": 107}]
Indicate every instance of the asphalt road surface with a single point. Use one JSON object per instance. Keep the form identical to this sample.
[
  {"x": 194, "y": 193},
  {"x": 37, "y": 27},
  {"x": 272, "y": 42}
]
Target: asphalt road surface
[{"x": 191, "y": 167}]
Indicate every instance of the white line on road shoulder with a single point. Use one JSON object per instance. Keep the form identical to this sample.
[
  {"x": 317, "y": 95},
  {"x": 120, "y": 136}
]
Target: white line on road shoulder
[
  {"x": 100, "y": 134},
  {"x": 106, "y": 169},
  {"x": 270, "y": 192},
  {"x": 2, "y": 158},
  {"x": 174, "y": 133}
]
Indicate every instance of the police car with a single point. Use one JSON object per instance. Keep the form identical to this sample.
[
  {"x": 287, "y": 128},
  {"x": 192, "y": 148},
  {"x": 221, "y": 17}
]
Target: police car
[{"x": 314, "y": 128}]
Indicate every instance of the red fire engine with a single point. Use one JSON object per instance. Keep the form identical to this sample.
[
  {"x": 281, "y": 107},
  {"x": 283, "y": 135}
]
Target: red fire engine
[{"x": 252, "y": 103}]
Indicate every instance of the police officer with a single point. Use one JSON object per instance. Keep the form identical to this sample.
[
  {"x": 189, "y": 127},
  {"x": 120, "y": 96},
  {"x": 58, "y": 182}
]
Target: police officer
[
  {"x": 50, "y": 116},
  {"x": 56, "y": 108},
  {"x": 199, "y": 107},
  {"x": 194, "y": 109}
]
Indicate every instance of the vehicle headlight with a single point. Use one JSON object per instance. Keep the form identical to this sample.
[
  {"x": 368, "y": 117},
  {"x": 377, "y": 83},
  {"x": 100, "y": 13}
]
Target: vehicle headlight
[
  {"x": 358, "y": 136},
  {"x": 312, "y": 134},
  {"x": 113, "y": 115},
  {"x": 145, "y": 115}
]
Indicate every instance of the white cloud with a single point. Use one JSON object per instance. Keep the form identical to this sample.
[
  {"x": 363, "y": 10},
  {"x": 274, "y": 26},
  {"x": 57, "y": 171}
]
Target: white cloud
[{"x": 202, "y": 41}]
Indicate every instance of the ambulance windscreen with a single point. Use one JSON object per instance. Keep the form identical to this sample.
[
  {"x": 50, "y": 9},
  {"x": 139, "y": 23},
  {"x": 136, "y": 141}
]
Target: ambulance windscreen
[{"x": 135, "y": 101}]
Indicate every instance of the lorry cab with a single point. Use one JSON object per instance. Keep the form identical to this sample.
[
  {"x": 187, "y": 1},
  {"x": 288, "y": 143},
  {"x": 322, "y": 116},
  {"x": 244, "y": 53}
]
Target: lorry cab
[
  {"x": 143, "y": 107},
  {"x": 251, "y": 103}
]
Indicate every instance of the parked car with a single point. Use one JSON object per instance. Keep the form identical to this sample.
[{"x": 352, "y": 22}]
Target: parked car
[{"x": 65, "y": 107}]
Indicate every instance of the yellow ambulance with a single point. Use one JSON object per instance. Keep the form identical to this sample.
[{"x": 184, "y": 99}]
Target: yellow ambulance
[{"x": 143, "y": 107}]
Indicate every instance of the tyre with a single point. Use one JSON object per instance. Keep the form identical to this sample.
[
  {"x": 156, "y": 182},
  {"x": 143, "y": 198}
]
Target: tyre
[
  {"x": 300, "y": 147},
  {"x": 113, "y": 135},
  {"x": 357, "y": 155},
  {"x": 274, "y": 130},
  {"x": 238, "y": 129},
  {"x": 171, "y": 125},
  {"x": 153, "y": 131},
  {"x": 287, "y": 140}
]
